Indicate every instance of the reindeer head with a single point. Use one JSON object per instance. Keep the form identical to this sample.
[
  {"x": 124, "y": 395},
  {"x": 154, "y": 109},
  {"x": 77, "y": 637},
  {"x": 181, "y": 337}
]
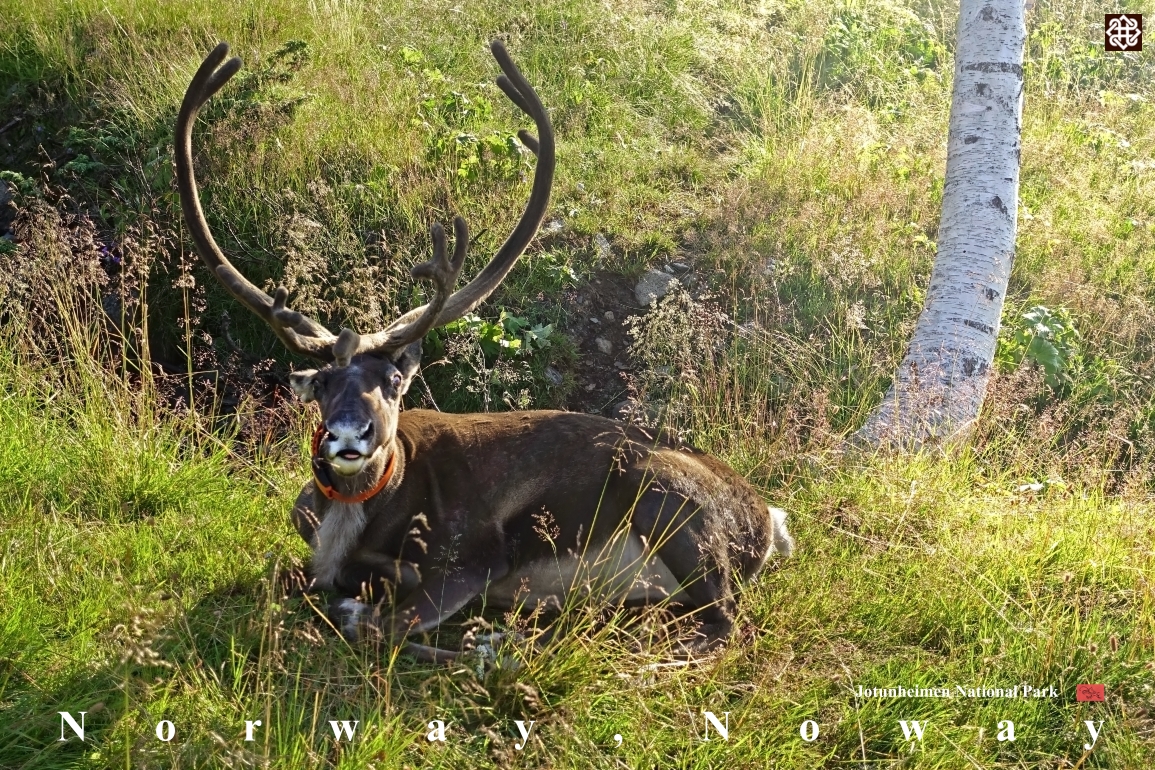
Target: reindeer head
[
  {"x": 359, "y": 404},
  {"x": 360, "y": 388}
]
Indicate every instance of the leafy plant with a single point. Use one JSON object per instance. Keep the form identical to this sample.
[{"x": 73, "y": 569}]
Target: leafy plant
[
  {"x": 1044, "y": 337},
  {"x": 481, "y": 363},
  {"x": 499, "y": 152},
  {"x": 509, "y": 334},
  {"x": 23, "y": 184},
  {"x": 82, "y": 164},
  {"x": 545, "y": 274},
  {"x": 559, "y": 272}
]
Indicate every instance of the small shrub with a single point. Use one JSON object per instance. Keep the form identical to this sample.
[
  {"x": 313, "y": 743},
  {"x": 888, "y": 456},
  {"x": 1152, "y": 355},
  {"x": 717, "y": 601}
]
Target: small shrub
[
  {"x": 679, "y": 335},
  {"x": 53, "y": 275},
  {"x": 1045, "y": 337},
  {"x": 509, "y": 334},
  {"x": 678, "y": 344}
]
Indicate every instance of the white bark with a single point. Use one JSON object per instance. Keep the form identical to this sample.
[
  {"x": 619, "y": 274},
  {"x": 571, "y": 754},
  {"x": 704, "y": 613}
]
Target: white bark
[{"x": 940, "y": 384}]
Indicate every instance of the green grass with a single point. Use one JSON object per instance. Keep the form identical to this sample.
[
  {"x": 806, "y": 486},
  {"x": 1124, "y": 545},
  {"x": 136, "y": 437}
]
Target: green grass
[{"x": 792, "y": 153}]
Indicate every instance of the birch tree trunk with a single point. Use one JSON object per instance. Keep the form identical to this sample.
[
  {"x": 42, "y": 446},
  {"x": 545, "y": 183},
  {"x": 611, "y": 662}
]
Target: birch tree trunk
[{"x": 940, "y": 384}]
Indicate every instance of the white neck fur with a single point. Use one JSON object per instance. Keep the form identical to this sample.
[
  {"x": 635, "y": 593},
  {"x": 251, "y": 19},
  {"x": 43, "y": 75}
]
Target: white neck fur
[{"x": 338, "y": 533}]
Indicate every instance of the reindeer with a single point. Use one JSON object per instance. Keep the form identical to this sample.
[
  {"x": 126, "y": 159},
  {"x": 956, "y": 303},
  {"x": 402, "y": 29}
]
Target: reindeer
[{"x": 412, "y": 515}]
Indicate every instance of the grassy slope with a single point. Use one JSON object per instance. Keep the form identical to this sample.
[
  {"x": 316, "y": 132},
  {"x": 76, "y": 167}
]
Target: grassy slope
[{"x": 137, "y": 551}]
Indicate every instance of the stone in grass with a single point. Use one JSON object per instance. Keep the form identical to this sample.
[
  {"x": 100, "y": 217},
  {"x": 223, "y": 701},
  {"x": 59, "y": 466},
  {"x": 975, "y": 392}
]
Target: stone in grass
[
  {"x": 603, "y": 246},
  {"x": 553, "y": 376},
  {"x": 654, "y": 285},
  {"x": 604, "y": 345}
]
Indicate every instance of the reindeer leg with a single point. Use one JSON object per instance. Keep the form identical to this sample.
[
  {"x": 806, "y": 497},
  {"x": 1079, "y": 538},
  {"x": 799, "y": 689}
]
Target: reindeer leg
[
  {"x": 365, "y": 586},
  {"x": 439, "y": 596},
  {"x": 675, "y": 528},
  {"x": 304, "y": 514},
  {"x": 350, "y": 615},
  {"x": 376, "y": 579},
  {"x": 305, "y": 521}
]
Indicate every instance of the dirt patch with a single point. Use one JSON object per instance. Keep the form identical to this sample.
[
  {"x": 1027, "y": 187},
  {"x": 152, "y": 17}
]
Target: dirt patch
[{"x": 597, "y": 312}]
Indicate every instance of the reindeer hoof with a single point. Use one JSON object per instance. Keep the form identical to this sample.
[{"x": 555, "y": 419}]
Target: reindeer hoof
[
  {"x": 486, "y": 654},
  {"x": 347, "y": 615},
  {"x": 706, "y": 640}
]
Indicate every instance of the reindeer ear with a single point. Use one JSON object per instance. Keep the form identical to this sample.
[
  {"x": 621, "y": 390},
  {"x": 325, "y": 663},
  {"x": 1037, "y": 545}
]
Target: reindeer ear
[
  {"x": 302, "y": 384},
  {"x": 408, "y": 361}
]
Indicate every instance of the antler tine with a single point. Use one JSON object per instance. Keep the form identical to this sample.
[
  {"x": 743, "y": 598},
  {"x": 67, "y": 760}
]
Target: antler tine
[
  {"x": 529, "y": 140},
  {"x": 442, "y": 274},
  {"x": 299, "y": 333},
  {"x": 515, "y": 96},
  {"x": 521, "y": 93},
  {"x": 511, "y": 91}
]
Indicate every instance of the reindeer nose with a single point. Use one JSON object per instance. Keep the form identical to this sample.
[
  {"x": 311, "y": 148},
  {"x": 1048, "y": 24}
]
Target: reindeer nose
[{"x": 349, "y": 429}]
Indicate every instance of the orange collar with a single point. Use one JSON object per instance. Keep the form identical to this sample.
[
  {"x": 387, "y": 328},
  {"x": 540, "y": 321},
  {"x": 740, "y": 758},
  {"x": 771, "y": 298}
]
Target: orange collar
[{"x": 327, "y": 489}]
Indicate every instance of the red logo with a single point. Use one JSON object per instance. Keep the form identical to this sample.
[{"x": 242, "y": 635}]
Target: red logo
[{"x": 1091, "y": 692}]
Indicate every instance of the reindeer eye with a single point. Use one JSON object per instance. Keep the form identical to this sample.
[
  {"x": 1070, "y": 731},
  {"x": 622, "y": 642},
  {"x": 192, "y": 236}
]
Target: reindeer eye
[{"x": 396, "y": 380}]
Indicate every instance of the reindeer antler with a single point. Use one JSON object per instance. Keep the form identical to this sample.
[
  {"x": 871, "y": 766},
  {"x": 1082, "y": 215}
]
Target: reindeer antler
[
  {"x": 302, "y": 334},
  {"x": 299, "y": 333},
  {"x": 521, "y": 93}
]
